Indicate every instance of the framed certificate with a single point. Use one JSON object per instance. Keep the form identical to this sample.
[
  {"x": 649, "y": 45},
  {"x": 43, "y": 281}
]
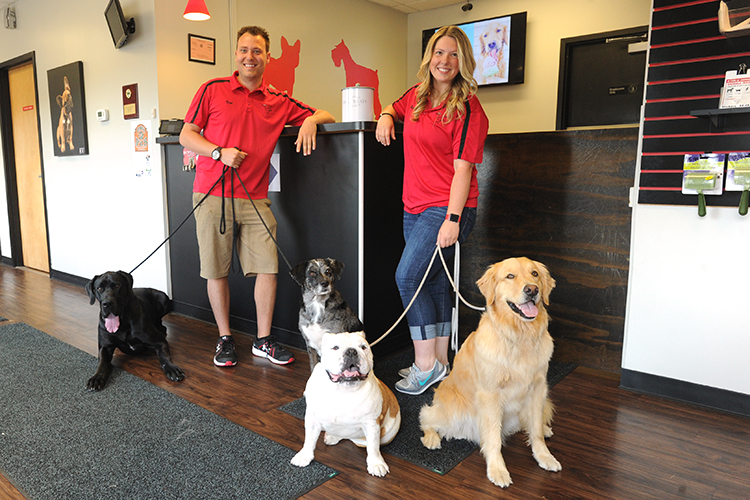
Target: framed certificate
[{"x": 201, "y": 49}]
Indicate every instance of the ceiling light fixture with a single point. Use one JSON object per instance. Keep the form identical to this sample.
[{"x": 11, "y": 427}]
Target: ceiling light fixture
[
  {"x": 467, "y": 6},
  {"x": 196, "y": 10}
]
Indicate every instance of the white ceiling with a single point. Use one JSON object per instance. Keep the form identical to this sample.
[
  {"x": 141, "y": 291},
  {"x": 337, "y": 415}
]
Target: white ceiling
[{"x": 411, "y": 6}]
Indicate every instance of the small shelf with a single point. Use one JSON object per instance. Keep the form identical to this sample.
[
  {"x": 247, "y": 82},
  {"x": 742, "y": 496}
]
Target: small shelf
[{"x": 716, "y": 115}]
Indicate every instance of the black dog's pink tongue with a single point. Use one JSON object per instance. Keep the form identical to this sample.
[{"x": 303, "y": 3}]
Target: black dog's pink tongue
[
  {"x": 112, "y": 323},
  {"x": 529, "y": 309}
]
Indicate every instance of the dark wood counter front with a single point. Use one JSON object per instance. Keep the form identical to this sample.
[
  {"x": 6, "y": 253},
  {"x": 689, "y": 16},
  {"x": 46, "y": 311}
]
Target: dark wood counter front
[{"x": 343, "y": 201}]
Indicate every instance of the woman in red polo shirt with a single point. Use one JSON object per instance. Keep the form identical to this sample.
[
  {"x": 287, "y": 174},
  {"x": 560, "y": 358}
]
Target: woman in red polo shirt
[{"x": 444, "y": 132}]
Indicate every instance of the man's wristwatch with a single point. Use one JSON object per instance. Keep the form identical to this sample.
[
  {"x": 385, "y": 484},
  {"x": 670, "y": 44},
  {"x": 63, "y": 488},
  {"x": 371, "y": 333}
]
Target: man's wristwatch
[
  {"x": 453, "y": 217},
  {"x": 216, "y": 153}
]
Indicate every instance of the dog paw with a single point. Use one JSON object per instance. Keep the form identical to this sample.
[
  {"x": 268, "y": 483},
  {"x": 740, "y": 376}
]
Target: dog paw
[
  {"x": 499, "y": 476},
  {"x": 431, "y": 440},
  {"x": 174, "y": 374},
  {"x": 547, "y": 431},
  {"x": 547, "y": 462},
  {"x": 330, "y": 439},
  {"x": 377, "y": 468},
  {"x": 302, "y": 459},
  {"x": 96, "y": 383}
]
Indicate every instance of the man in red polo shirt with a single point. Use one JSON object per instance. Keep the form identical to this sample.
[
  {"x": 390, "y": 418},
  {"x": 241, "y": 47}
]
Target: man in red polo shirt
[{"x": 241, "y": 119}]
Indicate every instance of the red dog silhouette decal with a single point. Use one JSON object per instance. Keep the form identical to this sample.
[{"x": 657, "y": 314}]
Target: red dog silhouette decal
[
  {"x": 280, "y": 72},
  {"x": 356, "y": 74}
]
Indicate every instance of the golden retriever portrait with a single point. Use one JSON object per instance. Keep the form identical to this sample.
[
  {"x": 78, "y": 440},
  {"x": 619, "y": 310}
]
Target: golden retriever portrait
[
  {"x": 65, "y": 125},
  {"x": 498, "y": 384},
  {"x": 492, "y": 65}
]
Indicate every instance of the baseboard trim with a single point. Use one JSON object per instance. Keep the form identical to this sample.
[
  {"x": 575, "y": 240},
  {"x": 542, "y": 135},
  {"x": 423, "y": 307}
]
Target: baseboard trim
[
  {"x": 68, "y": 278},
  {"x": 687, "y": 392}
]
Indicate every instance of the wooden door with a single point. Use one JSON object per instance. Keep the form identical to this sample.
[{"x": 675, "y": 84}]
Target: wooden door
[{"x": 33, "y": 220}]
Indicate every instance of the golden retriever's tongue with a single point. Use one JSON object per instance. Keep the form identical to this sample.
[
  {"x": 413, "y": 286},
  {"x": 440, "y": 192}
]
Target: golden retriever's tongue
[
  {"x": 112, "y": 323},
  {"x": 529, "y": 309}
]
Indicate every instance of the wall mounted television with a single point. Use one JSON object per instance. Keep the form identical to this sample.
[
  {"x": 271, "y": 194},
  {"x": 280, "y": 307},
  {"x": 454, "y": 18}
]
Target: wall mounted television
[
  {"x": 118, "y": 27},
  {"x": 499, "y": 48}
]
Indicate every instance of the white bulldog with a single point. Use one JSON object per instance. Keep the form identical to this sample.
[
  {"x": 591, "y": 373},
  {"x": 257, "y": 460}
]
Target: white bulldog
[{"x": 347, "y": 401}]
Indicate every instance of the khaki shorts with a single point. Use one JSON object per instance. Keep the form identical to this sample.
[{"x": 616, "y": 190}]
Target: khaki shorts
[{"x": 255, "y": 248}]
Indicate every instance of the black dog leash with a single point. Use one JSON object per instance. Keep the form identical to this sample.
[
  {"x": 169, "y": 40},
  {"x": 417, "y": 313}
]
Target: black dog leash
[
  {"x": 223, "y": 222},
  {"x": 264, "y": 224},
  {"x": 220, "y": 179}
]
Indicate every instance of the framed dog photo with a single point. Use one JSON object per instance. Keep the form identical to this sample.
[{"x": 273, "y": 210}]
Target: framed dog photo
[{"x": 67, "y": 105}]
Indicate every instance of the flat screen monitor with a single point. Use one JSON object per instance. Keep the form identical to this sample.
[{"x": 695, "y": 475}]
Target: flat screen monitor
[
  {"x": 118, "y": 27},
  {"x": 499, "y": 48}
]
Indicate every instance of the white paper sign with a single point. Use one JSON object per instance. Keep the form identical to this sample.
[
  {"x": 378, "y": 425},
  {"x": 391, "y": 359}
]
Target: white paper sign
[
  {"x": 736, "y": 93},
  {"x": 274, "y": 176},
  {"x": 140, "y": 147}
]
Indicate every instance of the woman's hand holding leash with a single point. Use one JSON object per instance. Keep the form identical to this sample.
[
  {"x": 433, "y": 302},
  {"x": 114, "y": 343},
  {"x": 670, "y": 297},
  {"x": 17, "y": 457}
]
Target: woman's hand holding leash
[{"x": 448, "y": 234}]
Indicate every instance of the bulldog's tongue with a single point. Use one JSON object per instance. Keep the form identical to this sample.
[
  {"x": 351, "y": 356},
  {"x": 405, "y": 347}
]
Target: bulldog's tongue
[
  {"x": 350, "y": 373},
  {"x": 112, "y": 323},
  {"x": 529, "y": 309}
]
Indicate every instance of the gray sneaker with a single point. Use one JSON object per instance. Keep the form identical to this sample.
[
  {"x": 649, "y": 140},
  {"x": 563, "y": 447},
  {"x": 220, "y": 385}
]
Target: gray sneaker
[
  {"x": 404, "y": 372},
  {"x": 418, "y": 381}
]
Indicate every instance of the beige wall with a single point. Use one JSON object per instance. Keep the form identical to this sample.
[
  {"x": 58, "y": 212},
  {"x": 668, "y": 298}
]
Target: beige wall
[
  {"x": 178, "y": 77},
  {"x": 101, "y": 216},
  {"x": 531, "y": 106},
  {"x": 375, "y": 35},
  {"x": 97, "y": 197},
  {"x": 156, "y": 59}
]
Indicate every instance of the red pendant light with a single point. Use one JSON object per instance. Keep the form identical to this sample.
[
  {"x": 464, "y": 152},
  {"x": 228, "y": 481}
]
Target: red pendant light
[{"x": 196, "y": 10}]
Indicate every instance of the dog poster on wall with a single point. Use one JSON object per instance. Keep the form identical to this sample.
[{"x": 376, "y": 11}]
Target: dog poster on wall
[{"x": 68, "y": 110}]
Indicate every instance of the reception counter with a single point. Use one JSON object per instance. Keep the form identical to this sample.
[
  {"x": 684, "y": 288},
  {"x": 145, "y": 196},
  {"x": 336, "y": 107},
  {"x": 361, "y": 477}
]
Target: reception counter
[{"x": 343, "y": 202}]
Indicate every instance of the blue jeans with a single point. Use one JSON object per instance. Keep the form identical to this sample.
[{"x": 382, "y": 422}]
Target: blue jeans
[{"x": 430, "y": 314}]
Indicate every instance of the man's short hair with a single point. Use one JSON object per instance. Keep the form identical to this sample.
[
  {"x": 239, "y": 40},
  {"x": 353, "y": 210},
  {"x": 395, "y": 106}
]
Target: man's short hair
[{"x": 255, "y": 31}]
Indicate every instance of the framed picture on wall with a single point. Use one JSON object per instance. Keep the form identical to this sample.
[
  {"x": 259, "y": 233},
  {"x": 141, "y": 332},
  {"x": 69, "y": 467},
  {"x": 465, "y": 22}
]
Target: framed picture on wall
[
  {"x": 201, "y": 49},
  {"x": 67, "y": 105}
]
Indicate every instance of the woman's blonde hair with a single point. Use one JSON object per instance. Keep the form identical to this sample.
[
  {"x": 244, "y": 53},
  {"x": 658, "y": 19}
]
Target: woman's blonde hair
[{"x": 463, "y": 86}]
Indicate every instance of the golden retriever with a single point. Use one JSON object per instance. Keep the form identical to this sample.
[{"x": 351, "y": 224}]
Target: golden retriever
[
  {"x": 498, "y": 384},
  {"x": 492, "y": 65}
]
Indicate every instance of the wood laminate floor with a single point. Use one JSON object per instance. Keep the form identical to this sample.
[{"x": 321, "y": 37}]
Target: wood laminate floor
[{"x": 612, "y": 444}]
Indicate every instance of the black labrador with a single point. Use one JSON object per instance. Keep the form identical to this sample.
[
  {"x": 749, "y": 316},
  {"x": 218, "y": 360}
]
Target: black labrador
[{"x": 129, "y": 320}]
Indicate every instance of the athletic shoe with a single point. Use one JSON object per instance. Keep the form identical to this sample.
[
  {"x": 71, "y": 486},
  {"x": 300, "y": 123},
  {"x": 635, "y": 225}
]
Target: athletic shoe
[
  {"x": 404, "y": 372},
  {"x": 225, "y": 355},
  {"x": 268, "y": 348},
  {"x": 418, "y": 381}
]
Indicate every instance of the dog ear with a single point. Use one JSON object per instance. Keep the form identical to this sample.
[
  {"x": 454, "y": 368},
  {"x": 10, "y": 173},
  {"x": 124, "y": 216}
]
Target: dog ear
[
  {"x": 336, "y": 266},
  {"x": 486, "y": 285},
  {"x": 90, "y": 290},
  {"x": 127, "y": 277},
  {"x": 548, "y": 283},
  {"x": 298, "y": 273},
  {"x": 59, "y": 101}
]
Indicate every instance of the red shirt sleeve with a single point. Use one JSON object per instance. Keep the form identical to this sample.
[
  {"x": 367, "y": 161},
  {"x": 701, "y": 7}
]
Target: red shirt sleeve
[{"x": 404, "y": 105}]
